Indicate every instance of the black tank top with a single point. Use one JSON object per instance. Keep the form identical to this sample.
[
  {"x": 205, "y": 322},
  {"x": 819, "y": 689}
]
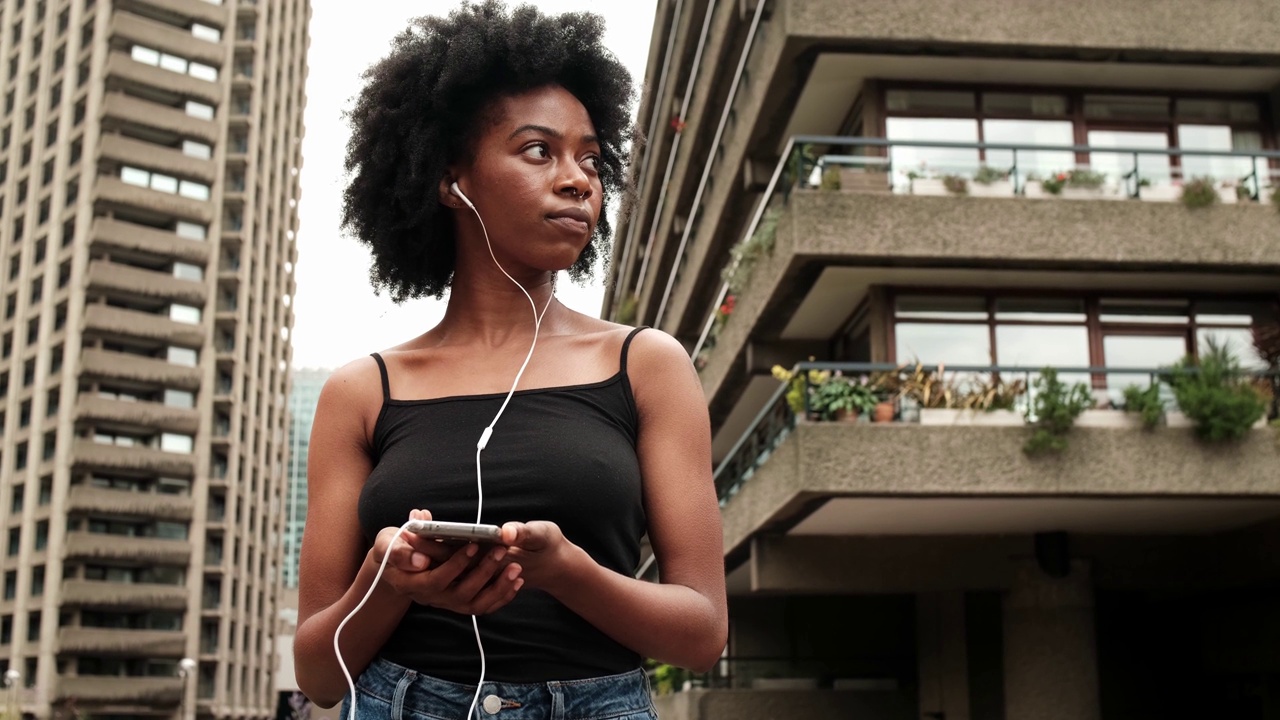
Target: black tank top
[{"x": 564, "y": 454}]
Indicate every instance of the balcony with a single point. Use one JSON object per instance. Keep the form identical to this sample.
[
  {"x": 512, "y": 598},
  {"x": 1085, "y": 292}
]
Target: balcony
[
  {"x": 139, "y": 153},
  {"x": 121, "y": 66},
  {"x": 121, "y": 279},
  {"x": 151, "y": 371},
  {"x": 111, "y": 322},
  {"x": 166, "y": 38},
  {"x": 123, "y": 596},
  {"x": 214, "y": 14},
  {"x": 138, "y": 415},
  {"x": 111, "y": 189},
  {"x": 146, "y": 550},
  {"x": 157, "y": 506},
  {"x": 823, "y": 477},
  {"x": 118, "y": 106},
  {"x": 89, "y": 455},
  {"x": 117, "y": 642},
  {"x": 122, "y": 235},
  {"x": 120, "y": 690}
]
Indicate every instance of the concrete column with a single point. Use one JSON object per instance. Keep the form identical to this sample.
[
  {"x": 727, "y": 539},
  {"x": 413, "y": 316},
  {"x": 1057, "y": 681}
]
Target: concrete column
[
  {"x": 1050, "y": 648},
  {"x": 942, "y": 652}
]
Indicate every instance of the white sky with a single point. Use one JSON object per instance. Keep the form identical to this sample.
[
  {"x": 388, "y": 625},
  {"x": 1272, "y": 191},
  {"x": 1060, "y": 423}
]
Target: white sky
[{"x": 338, "y": 318}]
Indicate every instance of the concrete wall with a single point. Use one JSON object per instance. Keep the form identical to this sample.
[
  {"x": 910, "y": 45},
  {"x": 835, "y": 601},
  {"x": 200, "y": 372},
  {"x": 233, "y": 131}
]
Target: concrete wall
[{"x": 1239, "y": 26}]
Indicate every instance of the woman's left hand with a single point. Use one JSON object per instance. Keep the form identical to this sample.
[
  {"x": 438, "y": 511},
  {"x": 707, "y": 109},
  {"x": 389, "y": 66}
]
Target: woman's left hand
[{"x": 545, "y": 556}]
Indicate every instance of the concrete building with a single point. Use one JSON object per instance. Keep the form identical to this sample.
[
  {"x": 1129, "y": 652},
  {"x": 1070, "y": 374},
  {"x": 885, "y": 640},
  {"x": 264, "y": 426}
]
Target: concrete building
[
  {"x": 970, "y": 184},
  {"x": 305, "y": 393},
  {"x": 149, "y": 159}
]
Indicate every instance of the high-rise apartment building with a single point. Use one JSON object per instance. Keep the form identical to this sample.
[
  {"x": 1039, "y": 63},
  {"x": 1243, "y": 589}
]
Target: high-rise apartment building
[
  {"x": 985, "y": 185},
  {"x": 149, "y": 160},
  {"x": 307, "y": 383}
]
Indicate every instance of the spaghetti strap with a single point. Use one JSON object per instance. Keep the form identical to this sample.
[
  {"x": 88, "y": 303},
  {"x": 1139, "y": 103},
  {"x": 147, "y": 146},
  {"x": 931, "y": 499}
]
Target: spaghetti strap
[
  {"x": 626, "y": 345},
  {"x": 386, "y": 382}
]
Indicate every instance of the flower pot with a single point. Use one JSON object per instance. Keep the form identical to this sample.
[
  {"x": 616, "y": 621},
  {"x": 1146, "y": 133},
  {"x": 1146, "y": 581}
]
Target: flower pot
[
  {"x": 884, "y": 412},
  {"x": 849, "y": 416},
  {"x": 999, "y": 188},
  {"x": 928, "y": 186}
]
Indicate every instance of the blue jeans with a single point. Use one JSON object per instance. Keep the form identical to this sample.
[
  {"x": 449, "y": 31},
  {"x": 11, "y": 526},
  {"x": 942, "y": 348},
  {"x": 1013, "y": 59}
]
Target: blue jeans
[{"x": 387, "y": 691}]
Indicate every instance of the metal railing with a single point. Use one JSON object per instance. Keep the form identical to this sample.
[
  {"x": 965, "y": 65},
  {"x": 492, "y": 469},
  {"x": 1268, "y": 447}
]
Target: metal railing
[
  {"x": 787, "y": 673},
  {"x": 776, "y": 420},
  {"x": 805, "y": 157}
]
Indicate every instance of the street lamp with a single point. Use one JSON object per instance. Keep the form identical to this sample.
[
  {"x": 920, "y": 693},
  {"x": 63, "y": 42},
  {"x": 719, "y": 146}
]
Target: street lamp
[{"x": 186, "y": 666}]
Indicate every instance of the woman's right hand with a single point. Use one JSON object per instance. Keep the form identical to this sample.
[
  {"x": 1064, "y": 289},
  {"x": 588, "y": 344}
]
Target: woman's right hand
[{"x": 431, "y": 573}]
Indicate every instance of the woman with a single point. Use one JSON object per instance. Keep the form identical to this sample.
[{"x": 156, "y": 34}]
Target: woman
[{"x": 483, "y": 150}]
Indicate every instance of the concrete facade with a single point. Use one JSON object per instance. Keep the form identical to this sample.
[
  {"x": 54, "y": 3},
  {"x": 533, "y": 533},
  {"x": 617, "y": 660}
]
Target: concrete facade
[
  {"x": 149, "y": 158},
  {"x": 903, "y": 570}
]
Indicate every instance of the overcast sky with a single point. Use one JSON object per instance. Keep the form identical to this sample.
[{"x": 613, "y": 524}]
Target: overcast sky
[{"x": 338, "y": 318}]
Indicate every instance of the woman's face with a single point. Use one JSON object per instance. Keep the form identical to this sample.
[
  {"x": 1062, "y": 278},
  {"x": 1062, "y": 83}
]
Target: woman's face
[{"x": 534, "y": 180}]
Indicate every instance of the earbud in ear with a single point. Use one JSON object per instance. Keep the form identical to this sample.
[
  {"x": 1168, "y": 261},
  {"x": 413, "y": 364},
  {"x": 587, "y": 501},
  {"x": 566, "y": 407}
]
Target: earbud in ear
[{"x": 453, "y": 187}]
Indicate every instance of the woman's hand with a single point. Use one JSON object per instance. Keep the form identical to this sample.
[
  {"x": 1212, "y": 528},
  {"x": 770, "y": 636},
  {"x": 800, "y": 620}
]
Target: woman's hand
[
  {"x": 435, "y": 574},
  {"x": 545, "y": 556}
]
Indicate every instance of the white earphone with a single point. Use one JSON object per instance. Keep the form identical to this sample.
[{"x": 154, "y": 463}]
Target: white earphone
[{"x": 480, "y": 446}]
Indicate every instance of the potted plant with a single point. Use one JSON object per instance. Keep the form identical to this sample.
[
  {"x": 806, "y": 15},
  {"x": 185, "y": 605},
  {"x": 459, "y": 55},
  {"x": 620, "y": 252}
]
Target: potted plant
[
  {"x": 955, "y": 184},
  {"x": 1199, "y": 193},
  {"x": 923, "y": 183},
  {"x": 796, "y": 388},
  {"x": 1053, "y": 411},
  {"x": 1146, "y": 403},
  {"x": 989, "y": 182},
  {"x": 923, "y": 392},
  {"x": 979, "y": 401},
  {"x": 1215, "y": 394},
  {"x": 843, "y": 398},
  {"x": 1082, "y": 184}
]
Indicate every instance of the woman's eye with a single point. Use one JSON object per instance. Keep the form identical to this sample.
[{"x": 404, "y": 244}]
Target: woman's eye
[
  {"x": 538, "y": 150},
  {"x": 593, "y": 161}
]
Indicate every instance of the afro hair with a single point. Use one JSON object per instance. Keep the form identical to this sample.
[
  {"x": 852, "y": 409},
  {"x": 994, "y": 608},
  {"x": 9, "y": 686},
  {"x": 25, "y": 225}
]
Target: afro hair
[{"x": 420, "y": 111}]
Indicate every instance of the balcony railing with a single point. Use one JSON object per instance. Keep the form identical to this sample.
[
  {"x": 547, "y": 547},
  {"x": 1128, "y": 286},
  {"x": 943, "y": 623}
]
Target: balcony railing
[
  {"x": 775, "y": 421},
  {"x": 787, "y": 673},
  {"x": 1011, "y": 170}
]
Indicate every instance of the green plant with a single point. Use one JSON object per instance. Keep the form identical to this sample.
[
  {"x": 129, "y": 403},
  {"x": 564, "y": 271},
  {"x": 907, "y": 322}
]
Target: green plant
[
  {"x": 1081, "y": 179},
  {"x": 841, "y": 394},
  {"x": 955, "y": 184},
  {"x": 1243, "y": 193},
  {"x": 744, "y": 255},
  {"x": 927, "y": 388},
  {"x": 1215, "y": 393},
  {"x": 1199, "y": 192},
  {"x": 668, "y": 679},
  {"x": 987, "y": 175},
  {"x": 990, "y": 394},
  {"x": 1053, "y": 411},
  {"x": 1146, "y": 402},
  {"x": 830, "y": 179},
  {"x": 796, "y": 385},
  {"x": 1275, "y": 197},
  {"x": 627, "y": 309}
]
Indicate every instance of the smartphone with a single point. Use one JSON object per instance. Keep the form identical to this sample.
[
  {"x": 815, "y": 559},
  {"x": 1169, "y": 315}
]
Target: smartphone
[{"x": 455, "y": 532}]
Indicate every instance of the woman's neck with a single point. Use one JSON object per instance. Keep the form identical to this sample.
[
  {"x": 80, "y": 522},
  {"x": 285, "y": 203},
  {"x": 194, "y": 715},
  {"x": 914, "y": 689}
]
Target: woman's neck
[{"x": 488, "y": 309}]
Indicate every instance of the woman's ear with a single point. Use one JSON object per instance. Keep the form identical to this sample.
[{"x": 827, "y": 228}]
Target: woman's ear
[{"x": 447, "y": 198}]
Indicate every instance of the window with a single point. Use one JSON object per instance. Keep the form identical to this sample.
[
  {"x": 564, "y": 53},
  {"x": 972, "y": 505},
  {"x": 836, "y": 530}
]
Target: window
[
  {"x": 182, "y": 356},
  {"x": 190, "y": 230},
  {"x": 42, "y": 535},
  {"x": 175, "y": 443},
  {"x": 15, "y": 542},
  {"x": 10, "y": 306},
  {"x": 204, "y": 32},
  {"x": 24, "y": 414},
  {"x": 6, "y": 622},
  {"x": 33, "y": 622},
  {"x": 37, "y": 582},
  {"x": 184, "y": 314},
  {"x": 46, "y": 490},
  {"x": 50, "y": 447},
  {"x": 28, "y": 373},
  {"x": 15, "y": 500},
  {"x": 33, "y": 331},
  {"x": 10, "y": 584},
  {"x": 164, "y": 183},
  {"x": 173, "y": 63},
  {"x": 187, "y": 271},
  {"x": 199, "y": 110},
  {"x": 179, "y": 398},
  {"x": 197, "y": 149},
  {"x": 51, "y": 402}
]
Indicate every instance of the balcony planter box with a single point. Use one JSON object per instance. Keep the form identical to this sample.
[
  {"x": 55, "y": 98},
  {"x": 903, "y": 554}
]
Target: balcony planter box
[
  {"x": 999, "y": 188},
  {"x": 864, "y": 181},
  {"x": 950, "y": 416},
  {"x": 1176, "y": 419},
  {"x": 1109, "y": 419},
  {"x": 1102, "y": 193},
  {"x": 928, "y": 186},
  {"x": 1228, "y": 196},
  {"x": 1162, "y": 192}
]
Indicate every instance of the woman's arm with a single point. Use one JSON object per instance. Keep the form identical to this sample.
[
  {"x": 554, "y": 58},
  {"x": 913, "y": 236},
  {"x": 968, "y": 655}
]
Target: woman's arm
[
  {"x": 684, "y": 619},
  {"x": 335, "y": 569}
]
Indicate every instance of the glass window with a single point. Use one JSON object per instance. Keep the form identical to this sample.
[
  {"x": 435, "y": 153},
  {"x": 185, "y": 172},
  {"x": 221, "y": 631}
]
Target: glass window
[
  {"x": 164, "y": 183},
  {"x": 1224, "y": 110},
  {"x": 187, "y": 271},
  {"x": 193, "y": 190},
  {"x": 134, "y": 176},
  {"x": 196, "y": 149},
  {"x": 173, "y": 442},
  {"x": 1031, "y": 132},
  {"x": 1129, "y": 107},
  {"x": 1037, "y": 346},
  {"x": 1213, "y": 137},
  {"x": 943, "y": 343},
  {"x": 1055, "y": 309},
  {"x": 1151, "y": 167},
  {"x": 203, "y": 72},
  {"x": 184, "y": 314},
  {"x": 179, "y": 398},
  {"x": 1162, "y": 312},
  {"x": 1238, "y": 341},
  {"x": 204, "y": 32},
  {"x": 1146, "y": 352},
  {"x": 949, "y": 101},
  {"x": 950, "y": 307},
  {"x": 1231, "y": 313},
  {"x": 190, "y": 230},
  {"x": 173, "y": 63},
  {"x": 145, "y": 55},
  {"x": 199, "y": 110},
  {"x": 182, "y": 356},
  {"x": 1023, "y": 104},
  {"x": 930, "y": 162}
]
